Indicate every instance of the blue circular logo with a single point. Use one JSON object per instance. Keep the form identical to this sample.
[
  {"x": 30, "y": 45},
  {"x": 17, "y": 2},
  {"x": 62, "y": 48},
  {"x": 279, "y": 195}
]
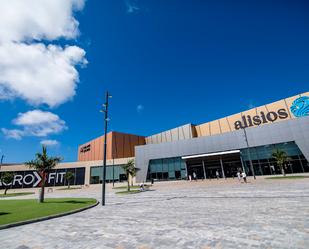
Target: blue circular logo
[{"x": 300, "y": 107}]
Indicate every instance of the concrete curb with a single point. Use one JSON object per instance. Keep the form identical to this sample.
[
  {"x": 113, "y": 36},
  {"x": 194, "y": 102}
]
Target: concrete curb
[{"x": 47, "y": 217}]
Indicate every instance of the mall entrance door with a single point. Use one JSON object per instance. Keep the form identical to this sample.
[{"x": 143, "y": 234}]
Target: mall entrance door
[
  {"x": 196, "y": 167},
  {"x": 206, "y": 165}
]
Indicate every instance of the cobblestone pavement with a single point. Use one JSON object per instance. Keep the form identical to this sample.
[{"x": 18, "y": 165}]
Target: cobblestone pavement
[{"x": 205, "y": 214}]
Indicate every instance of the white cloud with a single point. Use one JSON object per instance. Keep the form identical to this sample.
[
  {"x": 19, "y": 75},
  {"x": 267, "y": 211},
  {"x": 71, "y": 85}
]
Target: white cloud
[
  {"x": 24, "y": 20},
  {"x": 35, "y": 123},
  {"x": 140, "y": 108},
  {"x": 39, "y": 74},
  {"x": 132, "y": 6},
  {"x": 49, "y": 142},
  {"x": 33, "y": 71},
  {"x": 36, "y": 72},
  {"x": 35, "y": 117},
  {"x": 14, "y": 133}
]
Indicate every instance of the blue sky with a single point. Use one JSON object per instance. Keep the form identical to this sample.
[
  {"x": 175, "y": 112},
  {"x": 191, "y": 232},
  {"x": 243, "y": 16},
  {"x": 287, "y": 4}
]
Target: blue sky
[{"x": 166, "y": 63}]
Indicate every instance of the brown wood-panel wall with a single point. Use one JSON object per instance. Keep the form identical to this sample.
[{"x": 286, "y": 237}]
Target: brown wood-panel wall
[{"x": 119, "y": 145}]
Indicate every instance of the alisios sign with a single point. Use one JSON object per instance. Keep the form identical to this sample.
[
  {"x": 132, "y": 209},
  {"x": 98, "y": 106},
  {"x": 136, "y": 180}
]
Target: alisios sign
[
  {"x": 262, "y": 118},
  {"x": 32, "y": 179},
  {"x": 299, "y": 108}
]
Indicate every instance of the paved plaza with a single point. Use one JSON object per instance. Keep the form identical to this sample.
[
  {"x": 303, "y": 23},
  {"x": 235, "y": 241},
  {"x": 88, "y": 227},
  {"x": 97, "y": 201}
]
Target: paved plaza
[{"x": 204, "y": 214}]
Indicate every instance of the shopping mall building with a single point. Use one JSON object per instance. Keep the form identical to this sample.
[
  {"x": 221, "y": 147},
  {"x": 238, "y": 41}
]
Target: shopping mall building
[{"x": 244, "y": 141}]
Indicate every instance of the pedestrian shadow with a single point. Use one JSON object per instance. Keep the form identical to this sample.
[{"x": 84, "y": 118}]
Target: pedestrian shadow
[
  {"x": 148, "y": 190},
  {"x": 70, "y": 201},
  {"x": 4, "y": 213},
  {"x": 76, "y": 202}
]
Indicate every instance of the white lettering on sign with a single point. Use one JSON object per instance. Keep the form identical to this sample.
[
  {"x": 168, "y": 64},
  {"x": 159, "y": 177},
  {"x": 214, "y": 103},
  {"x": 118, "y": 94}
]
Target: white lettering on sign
[
  {"x": 61, "y": 176},
  {"x": 38, "y": 177},
  {"x": 29, "y": 179},
  {"x": 29, "y": 176},
  {"x": 51, "y": 176},
  {"x": 33, "y": 179},
  {"x": 4, "y": 184},
  {"x": 18, "y": 178}
]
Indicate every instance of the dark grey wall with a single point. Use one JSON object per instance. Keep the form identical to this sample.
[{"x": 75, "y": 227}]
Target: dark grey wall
[{"x": 291, "y": 130}]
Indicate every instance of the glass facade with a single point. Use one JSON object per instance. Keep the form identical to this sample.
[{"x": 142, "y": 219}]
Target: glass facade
[
  {"x": 115, "y": 172},
  {"x": 264, "y": 164},
  {"x": 167, "y": 169}
]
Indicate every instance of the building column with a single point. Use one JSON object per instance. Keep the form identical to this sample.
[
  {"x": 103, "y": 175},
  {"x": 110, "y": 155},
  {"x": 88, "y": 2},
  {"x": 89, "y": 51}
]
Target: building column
[
  {"x": 204, "y": 170},
  {"x": 87, "y": 174},
  {"x": 187, "y": 176},
  {"x": 301, "y": 164},
  {"x": 222, "y": 169},
  {"x": 271, "y": 171},
  {"x": 261, "y": 171},
  {"x": 242, "y": 164},
  {"x": 291, "y": 167}
]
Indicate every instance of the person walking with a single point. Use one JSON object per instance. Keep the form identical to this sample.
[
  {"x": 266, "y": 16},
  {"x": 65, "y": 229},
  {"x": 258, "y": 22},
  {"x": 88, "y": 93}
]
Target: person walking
[
  {"x": 238, "y": 175},
  {"x": 194, "y": 176},
  {"x": 141, "y": 187},
  {"x": 217, "y": 174},
  {"x": 244, "y": 176}
]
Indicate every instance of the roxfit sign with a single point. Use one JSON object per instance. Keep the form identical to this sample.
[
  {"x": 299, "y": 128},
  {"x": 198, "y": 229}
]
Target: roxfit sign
[{"x": 32, "y": 179}]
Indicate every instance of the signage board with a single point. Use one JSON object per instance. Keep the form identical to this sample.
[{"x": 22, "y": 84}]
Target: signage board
[
  {"x": 32, "y": 179},
  {"x": 299, "y": 108}
]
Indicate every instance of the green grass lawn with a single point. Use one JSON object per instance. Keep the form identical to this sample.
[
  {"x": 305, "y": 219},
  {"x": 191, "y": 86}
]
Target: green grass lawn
[
  {"x": 71, "y": 188},
  {"x": 286, "y": 177},
  {"x": 12, "y": 211},
  {"x": 125, "y": 187},
  {"x": 133, "y": 191},
  {"x": 15, "y": 194}
]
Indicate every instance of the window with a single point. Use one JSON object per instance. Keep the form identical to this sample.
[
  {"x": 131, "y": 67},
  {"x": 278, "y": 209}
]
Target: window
[
  {"x": 113, "y": 173},
  {"x": 264, "y": 163}
]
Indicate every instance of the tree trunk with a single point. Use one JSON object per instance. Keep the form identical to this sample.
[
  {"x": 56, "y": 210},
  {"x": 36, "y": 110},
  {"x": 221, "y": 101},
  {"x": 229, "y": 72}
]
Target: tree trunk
[
  {"x": 6, "y": 189},
  {"x": 68, "y": 184},
  {"x": 42, "y": 192},
  {"x": 128, "y": 178},
  {"x": 283, "y": 171}
]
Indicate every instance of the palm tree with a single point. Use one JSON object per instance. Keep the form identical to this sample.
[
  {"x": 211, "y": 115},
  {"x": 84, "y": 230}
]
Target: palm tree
[
  {"x": 43, "y": 164},
  {"x": 68, "y": 176},
  {"x": 134, "y": 173},
  {"x": 281, "y": 159},
  {"x": 130, "y": 170},
  {"x": 6, "y": 179}
]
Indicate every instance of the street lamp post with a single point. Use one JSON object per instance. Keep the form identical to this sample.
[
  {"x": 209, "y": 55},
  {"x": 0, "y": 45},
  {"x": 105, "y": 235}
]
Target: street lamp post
[
  {"x": 249, "y": 154},
  {"x": 113, "y": 173},
  {"x": 105, "y": 110},
  {"x": 1, "y": 161}
]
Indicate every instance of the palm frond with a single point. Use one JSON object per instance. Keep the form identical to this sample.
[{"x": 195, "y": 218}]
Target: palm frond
[{"x": 42, "y": 162}]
